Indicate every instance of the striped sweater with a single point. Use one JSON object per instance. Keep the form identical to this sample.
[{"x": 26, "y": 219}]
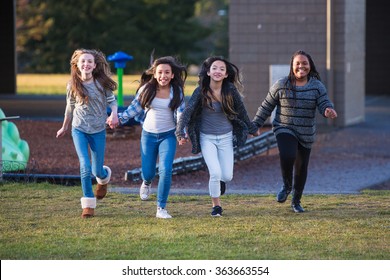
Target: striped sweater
[{"x": 295, "y": 116}]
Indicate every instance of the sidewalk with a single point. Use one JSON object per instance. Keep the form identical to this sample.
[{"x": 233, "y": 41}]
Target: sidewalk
[{"x": 343, "y": 161}]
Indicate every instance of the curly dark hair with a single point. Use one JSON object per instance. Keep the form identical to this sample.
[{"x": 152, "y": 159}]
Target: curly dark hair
[{"x": 291, "y": 81}]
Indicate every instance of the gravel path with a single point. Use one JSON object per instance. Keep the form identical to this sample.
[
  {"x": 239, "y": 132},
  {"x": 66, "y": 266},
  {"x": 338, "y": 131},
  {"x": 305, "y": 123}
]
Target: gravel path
[{"x": 343, "y": 161}]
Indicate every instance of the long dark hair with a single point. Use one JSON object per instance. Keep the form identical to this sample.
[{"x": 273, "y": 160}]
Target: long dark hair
[
  {"x": 233, "y": 79},
  {"x": 151, "y": 84}
]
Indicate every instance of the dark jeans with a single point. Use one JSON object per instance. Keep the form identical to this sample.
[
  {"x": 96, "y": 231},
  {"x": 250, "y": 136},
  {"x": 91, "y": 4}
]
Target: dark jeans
[{"x": 293, "y": 158}]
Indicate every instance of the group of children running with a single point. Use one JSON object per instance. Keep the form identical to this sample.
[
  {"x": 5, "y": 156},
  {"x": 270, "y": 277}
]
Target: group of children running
[{"x": 214, "y": 121}]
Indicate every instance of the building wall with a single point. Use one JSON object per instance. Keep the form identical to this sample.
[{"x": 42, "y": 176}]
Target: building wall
[
  {"x": 377, "y": 47},
  {"x": 268, "y": 32},
  {"x": 351, "y": 61}
]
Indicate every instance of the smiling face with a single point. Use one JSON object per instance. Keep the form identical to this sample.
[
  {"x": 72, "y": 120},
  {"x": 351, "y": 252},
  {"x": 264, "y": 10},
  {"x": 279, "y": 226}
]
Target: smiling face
[
  {"x": 217, "y": 71},
  {"x": 86, "y": 64},
  {"x": 301, "y": 67},
  {"x": 163, "y": 74}
]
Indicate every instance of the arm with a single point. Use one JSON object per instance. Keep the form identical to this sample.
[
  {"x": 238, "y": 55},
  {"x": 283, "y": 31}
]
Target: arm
[
  {"x": 134, "y": 109},
  {"x": 70, "y": 104},
  {"x": 185, "y": 116},
  {"x": 180, "y": 109},
  {"x": 112, "y": 120},
  {"x": 242, "y": 112},
  {"x": 268, "y": 105},
  {"x": 325, "y": 106},
  {"x": 65, "y": 126}
]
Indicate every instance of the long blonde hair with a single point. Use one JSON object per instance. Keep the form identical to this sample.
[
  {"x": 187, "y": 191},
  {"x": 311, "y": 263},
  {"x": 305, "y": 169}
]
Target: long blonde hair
[{"x": 101, "y": 74}]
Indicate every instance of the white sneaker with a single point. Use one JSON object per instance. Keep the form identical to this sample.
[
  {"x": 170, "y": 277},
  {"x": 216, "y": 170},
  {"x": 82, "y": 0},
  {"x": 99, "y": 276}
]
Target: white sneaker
[
  {"x": 144, "y": 191},
  {"x": 162, "y": 213}
]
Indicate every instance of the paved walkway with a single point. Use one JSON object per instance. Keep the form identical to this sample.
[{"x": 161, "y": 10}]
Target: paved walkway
[{"x": 343, "y": 161}]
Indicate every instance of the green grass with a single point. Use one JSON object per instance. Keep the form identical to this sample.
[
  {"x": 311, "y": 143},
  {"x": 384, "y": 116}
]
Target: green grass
[
  {"x": 55, "y": 84},
  {"x": 42, "y": 221}
]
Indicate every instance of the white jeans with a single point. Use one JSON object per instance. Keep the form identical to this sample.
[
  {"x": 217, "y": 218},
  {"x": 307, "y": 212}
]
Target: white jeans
[{"x": 218, "y": 153}]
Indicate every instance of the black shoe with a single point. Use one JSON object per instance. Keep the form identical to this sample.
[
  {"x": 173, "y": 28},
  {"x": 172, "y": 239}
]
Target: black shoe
[
  {"x": 297, "y": 208},
  {"x": 283, "y": 194},
  {"x": 217, "y": 211},
  {"x": 223, "y": 187}
]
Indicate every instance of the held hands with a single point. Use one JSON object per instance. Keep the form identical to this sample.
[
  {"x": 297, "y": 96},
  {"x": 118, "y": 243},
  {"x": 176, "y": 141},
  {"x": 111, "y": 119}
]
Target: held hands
[
  {"x": 112, "y": 121},
  {"x": 257, "y": 133},
  {"x": 330, "y": 113},
  {"x": 184, "y": 140}
]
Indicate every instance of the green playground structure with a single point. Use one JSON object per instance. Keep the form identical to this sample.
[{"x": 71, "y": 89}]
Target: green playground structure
[{"x": 15, "y": 152}]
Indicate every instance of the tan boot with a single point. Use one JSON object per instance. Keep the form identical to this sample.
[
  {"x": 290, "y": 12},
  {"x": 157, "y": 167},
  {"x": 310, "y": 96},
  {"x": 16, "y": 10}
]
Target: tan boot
[
  {"x": 101, "y": 191},
  {"x": 88, "y": 204},
  {"x": 88, "y": 213},
  {"x": 107, "y": 179}
]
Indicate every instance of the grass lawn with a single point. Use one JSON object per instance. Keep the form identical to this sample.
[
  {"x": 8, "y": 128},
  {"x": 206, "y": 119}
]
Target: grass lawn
[
  {"x": 42, "y": 222},
  {"x": 56, "y": 84}
]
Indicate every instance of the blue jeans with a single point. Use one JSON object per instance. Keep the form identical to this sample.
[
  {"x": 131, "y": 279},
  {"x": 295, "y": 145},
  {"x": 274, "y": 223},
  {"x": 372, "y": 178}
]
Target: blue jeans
[
  {"x": 162, "y": 145},
  {"x": 218, "y": 153},
  {"x": 97, "y": 144}
]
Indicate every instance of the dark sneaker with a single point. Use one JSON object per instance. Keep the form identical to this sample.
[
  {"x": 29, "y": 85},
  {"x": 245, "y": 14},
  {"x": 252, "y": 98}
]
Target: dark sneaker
[
  {"x": 217, "y": 211},
  {"x": 283, "y": 194},
  {"x": 297, "y": 208},
  {"x": 223, "y": 187}
]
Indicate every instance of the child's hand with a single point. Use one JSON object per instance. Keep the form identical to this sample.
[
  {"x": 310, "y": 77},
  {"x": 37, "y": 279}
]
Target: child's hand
[
  {"x": 112, "y": 121},
  {"x": 61, "y": 132},
  {"x": 330, "y": 113},
  {"x": 184, "y": 140},
  {"x": 257, "y": 133}
]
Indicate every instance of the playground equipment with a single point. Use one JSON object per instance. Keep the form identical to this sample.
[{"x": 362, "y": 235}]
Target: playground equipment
[
  {"x": 15, "y": 152},
  {"x": 120, "y": 59}
]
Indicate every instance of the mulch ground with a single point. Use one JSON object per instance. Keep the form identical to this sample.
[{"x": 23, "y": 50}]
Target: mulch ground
[{"x": 49, "y": 155}]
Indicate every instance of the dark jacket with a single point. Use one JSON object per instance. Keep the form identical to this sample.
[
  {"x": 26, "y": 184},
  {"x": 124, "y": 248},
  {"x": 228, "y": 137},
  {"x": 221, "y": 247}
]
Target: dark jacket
[{"x": 191, "y": 119}]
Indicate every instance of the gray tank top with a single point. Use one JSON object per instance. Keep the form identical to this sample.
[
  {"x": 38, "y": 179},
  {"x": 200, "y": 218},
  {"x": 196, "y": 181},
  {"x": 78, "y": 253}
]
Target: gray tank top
[{"x": 215, "y": 121}]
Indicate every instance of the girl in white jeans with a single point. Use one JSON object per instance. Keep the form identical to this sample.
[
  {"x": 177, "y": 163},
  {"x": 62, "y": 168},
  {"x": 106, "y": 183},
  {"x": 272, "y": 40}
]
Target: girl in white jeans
[
  {"x": 218, "y": 153},
  {"x": 216, "y": 121}
]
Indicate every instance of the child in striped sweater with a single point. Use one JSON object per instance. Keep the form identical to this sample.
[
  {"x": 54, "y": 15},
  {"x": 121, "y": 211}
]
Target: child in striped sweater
[{"x": 296, "y": 98}]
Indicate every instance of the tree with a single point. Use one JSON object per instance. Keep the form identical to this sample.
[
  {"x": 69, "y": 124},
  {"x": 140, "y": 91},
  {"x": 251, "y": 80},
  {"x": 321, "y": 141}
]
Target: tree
[
  {"x": 214, "y": 14},
  {"x": 49, "y": 31}
]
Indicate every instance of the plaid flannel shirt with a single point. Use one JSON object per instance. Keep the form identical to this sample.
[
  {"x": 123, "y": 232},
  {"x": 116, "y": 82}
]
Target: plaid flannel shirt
[{"x": 135, "y": 110}]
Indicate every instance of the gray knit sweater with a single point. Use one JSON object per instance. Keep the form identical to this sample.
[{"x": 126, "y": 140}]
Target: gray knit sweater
[
  {"x": 294, "y": 115},
  {"x": 90, "y": 117}
]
